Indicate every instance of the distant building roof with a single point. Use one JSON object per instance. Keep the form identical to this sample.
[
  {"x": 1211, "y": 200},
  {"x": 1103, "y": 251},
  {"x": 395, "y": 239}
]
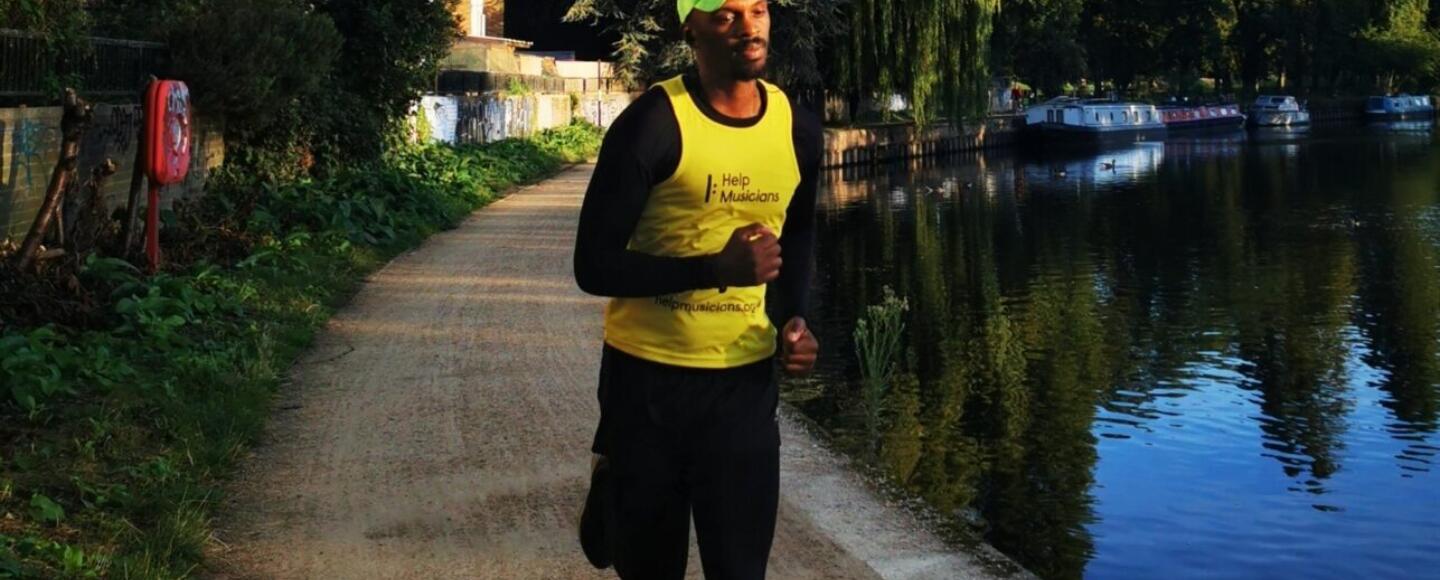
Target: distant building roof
[{"x": 492, "y": 40}]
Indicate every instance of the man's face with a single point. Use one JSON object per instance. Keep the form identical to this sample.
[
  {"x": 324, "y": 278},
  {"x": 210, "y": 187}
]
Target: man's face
[{"x": 735, "y": 37}]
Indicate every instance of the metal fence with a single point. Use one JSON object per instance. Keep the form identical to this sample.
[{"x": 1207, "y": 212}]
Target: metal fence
[{"x": 99, "y": 67}]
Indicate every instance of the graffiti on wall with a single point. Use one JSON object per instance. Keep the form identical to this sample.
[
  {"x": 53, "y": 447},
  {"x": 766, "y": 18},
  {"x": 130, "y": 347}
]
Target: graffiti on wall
[
  {"x": 602, "y": 108},
  {"x": 30, "y": 136},
  {"x": 117, "y": 127},
  {"x": 490, "y": 118},
  {"x": 439, "y": 114}
]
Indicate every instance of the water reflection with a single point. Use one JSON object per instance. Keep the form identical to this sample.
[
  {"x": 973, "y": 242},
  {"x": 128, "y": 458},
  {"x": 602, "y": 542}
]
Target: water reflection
[
  {"x": 1088, "y": 169},
  {"x": 1425, "y": 126},
  {"x": 1279, "y": 134},
  {"x": 1099, "y": 382}
]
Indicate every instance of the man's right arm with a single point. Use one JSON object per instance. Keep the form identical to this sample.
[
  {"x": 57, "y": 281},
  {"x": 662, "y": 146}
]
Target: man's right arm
[{"x": 641, "y": 149}]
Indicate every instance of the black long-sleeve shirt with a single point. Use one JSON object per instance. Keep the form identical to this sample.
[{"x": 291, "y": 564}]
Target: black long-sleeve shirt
[{"x": 641, "y": 150}]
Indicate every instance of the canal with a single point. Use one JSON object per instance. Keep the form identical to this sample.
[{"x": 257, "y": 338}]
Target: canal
[{"x": 1215, "y": 356}]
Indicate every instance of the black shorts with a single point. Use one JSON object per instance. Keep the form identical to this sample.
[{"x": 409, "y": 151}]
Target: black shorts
[{"x": 682, "y": 441}]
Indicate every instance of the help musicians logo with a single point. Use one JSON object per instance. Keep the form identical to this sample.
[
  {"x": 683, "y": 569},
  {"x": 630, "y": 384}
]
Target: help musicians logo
[{"x": 735, "y": 188}]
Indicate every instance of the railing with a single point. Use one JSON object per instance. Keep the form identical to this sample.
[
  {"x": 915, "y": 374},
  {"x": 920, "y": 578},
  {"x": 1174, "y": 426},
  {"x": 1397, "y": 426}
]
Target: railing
[
  {"x": 100, "y": 67},
  {"x": 455, "y": 82}
]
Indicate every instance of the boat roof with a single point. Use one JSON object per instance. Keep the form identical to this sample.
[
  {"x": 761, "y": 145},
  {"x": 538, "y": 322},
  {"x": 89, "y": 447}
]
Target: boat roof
[{"x": 1075, "y": 101}]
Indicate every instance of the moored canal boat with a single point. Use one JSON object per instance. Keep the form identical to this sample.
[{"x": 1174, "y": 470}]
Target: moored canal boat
[
  {"x": 1093, "y": 120},
  {"x": 1216, "y": 117},
  {"x": 1278, "y": 111},
  {"x": 1399, "y": 107}
]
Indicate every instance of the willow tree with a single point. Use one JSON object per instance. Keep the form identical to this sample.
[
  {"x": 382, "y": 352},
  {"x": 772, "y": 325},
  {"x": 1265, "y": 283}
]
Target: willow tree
[{"x": 932, "y": 52}]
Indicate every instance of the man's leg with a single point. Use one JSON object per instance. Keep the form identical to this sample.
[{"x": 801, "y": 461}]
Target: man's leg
[
  {"x": 736, "y": 475},
  {"x": 648, "y": 512},
  {"x": 593, "y": 541}
]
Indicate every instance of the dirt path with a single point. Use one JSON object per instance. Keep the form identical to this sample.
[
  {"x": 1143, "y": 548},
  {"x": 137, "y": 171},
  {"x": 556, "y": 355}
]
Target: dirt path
[{"x": 440, "y": 426}]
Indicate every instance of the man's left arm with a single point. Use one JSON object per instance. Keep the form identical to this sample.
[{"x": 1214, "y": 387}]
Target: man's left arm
[{"x": 797, "y": 242}]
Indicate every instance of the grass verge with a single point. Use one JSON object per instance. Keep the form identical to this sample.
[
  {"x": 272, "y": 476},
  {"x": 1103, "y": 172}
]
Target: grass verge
[{"x": 116, "y": 434}]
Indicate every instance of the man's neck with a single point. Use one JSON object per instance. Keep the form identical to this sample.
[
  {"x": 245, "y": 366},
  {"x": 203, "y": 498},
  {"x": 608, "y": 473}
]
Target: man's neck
[{"x": 731, "y": 97}]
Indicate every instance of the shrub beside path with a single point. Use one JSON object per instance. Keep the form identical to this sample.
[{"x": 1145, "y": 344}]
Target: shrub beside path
[{"x": 440, "y": 428}]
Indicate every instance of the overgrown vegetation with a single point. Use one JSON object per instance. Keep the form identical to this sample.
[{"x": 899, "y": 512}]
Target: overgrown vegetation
[
  {"x": 125, "y": 398},
  {"x": 116, "y": 430},
  {"x": 878, "y": 347}
]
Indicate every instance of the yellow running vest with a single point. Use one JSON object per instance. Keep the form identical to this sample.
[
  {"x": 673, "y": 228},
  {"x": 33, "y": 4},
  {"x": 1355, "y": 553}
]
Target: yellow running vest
[{"x": 727, "y": 177}]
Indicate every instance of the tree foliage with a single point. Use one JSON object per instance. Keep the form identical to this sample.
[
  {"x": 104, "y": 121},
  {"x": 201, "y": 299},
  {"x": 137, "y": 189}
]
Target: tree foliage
[
  {"x": 1401, "y": 50},
  {"x": 56, "y": 20},
  {"x": 1226, "y": 46},
  {"x": 934, "y": 52},
  {"x": 249, "y": 60}
]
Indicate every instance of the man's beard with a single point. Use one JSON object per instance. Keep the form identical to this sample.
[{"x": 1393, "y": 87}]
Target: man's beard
[
  {"x": 748, "y": 71},
  {"x": 743, "y": 69}
]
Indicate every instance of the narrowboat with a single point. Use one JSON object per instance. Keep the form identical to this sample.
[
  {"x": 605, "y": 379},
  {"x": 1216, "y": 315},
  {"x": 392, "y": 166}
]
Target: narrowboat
[
  {"x": 1399, "y": 107},
  {"x": 1217, "y": 117},
  {"x": 1071, "y": 119}
]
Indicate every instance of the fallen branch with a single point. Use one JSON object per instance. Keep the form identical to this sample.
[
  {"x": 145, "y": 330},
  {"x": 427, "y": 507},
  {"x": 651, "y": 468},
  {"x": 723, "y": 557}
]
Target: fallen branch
[
  {"x": 90, "y": 223},
  {"x": 78, "y": 114}
]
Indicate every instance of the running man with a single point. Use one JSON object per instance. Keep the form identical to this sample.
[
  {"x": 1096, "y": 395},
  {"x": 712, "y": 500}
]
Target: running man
[{"x": 703, "y": 196}]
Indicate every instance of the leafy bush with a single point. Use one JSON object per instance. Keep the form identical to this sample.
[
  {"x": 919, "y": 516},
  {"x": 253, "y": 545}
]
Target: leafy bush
[{"x": 248, "y": 60}]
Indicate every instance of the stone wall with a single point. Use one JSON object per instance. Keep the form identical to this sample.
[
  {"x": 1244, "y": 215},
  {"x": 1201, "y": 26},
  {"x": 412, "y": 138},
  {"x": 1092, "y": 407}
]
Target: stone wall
[{"x": 30, "y": 146}]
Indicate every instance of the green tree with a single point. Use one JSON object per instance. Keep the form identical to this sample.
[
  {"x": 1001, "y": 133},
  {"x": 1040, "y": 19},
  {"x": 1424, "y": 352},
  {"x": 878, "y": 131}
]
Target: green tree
[
  {"x": 1124, "y": 39},
  {"x": 1038, "y": 41},
  {"x": 1399, "y": 49}
]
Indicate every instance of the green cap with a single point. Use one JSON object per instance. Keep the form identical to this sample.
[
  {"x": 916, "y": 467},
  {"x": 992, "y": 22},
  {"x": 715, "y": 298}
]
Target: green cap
[{"x": 685, "y": 6}]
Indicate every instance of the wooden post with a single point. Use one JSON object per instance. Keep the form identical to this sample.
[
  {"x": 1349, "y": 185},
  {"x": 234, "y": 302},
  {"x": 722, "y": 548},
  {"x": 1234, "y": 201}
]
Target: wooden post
[
  {"x": 137, "y": 179},
  {"x": 78, "y": 114}
]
